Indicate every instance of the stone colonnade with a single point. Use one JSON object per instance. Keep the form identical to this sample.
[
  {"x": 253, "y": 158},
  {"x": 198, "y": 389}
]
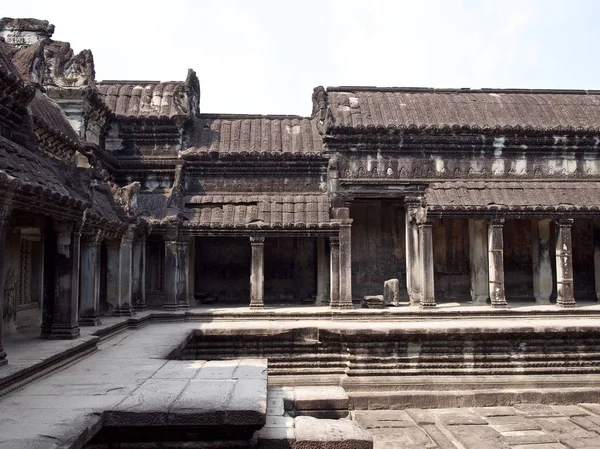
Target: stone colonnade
[{"x": 486, "y": 252}]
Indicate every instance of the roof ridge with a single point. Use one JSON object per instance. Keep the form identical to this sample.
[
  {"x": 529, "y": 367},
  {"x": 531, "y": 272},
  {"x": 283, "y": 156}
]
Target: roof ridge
[
  {"x": 251, "y": 116},
  {"x": 484, "y": 90}
]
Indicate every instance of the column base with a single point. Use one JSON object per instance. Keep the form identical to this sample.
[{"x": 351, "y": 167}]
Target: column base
[
  {"x": 183, "y": 305},
  {"x": 66, "y": 332},
  {"x": 257, "y": 305},
  {"x": 480, "y": 301},
  {"x": 140, "y": 307},
  {"x": 427, "y": 305},
  {"x": 124, "y": 310},
  {"x": 566, "y": 305},
  {"x": 89, "y": 321},
  {"x": 499, "y": 305},
  {"x": 170, "y": 306}
]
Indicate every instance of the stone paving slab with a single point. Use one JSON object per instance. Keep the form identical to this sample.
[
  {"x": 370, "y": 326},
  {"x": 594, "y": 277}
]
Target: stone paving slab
[{"x": 524, "y": 426}]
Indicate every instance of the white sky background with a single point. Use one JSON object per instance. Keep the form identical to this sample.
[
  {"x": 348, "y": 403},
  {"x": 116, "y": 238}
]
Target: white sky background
[{"x": 265, "y": 57}]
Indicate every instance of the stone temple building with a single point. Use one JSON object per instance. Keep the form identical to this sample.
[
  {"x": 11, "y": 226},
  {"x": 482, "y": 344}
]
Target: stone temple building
[{"x": 117, "y": 196}]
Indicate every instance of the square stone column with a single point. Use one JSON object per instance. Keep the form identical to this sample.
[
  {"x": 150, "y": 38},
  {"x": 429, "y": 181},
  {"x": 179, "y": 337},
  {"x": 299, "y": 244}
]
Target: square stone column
[
  {"x": 413, "y": 263},
  {"x": 597, "y": 256},
  {"x": 183, "y": 246},
  {"x": 65, "y": 317},
  {"x": 257, "y": 278},
  {"x": 113, "y": 273},
  {"x": 191, "y": 271},
  {"x": 138, "y": 289},
  {"x": 427, "y": 268},
  {"x": 345, "y": 260},
  {"x": 564, "y": 263},
  {"x": 171, "y": 275},
  {"x": 124, "y": 306},
  {"x": 496, "y": 262},
  {"x": 89, "y": 285},
  {"x": 322, "y": 272},
  {"x": 334, "y": 284},
  {"x": 540, "y": 256},
  {"x": 478, "y": 252},
  {"x": 4, "y": 215}
]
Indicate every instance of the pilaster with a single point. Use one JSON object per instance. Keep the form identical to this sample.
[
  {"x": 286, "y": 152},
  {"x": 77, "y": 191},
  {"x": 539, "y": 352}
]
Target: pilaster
[
  {"x": 257, "y": 272},
  {"x": 542, "y": 266},
  {"x": 89, "y": 287},
  {"x": 478, "y": 249},
  {"x": 564, "y": 263},
  {"x": 496, "y": 262}
]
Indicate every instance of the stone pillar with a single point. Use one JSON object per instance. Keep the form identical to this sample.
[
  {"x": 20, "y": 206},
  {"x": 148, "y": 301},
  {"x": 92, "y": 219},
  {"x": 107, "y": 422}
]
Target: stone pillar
[
  {"x": 89, "y": 287},
  {"x": 257, "y": 278},
  {"x": 597, "y": 256},
  {"x": 322, "y": 273},
  {"x": 124, "y": 304},
  {"x": 345, "y": 261},
  {"x": 138, "y": 274},
  {"x": 564, "y": 263},
  {"x": 113, "y": 274},
  {"x": 65, "y": 317},
  {"x": 191, "y": 271},
  {"x": 334, "y": 272},
  {"x": 4, "y": 215},
  {"x": 427, "y": 268},
  {"x": 171, "y": 275},
  {"x": 478, "y": 251},
  {"x": 496, "y": 262},
  {"x": 183, "y": 246},
  {"x": 540, "y": 256},
  {"x": 413, "y": 265}
]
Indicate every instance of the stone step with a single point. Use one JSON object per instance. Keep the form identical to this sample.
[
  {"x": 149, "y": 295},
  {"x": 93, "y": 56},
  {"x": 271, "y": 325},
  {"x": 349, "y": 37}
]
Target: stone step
[
  {"x": 398, "y": 400},
  {"x": 311, "y": 433}
]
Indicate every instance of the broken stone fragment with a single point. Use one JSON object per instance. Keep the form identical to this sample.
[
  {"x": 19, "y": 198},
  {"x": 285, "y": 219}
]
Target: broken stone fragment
[{"x": 391, "y": 292}]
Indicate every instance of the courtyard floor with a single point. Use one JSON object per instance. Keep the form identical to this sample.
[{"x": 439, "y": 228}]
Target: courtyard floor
[{"x": 63, "y": 406}]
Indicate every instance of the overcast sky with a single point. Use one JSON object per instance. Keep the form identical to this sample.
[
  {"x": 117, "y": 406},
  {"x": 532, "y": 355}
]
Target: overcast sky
[{"x": 265, "y": 57}]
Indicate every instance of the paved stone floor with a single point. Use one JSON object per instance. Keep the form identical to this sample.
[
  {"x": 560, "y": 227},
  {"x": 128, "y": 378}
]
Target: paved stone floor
[{"x": 525, "y": 426}]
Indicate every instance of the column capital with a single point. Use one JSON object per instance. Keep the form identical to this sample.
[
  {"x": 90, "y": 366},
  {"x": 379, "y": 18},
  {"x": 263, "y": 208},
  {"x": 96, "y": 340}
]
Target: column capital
[
  {"x": 334, "y": 239},
  {"x": 496, "y": 221},
  {"x": 92, "y": 239},
  {"x": 564, "y": 222},
  {"x": 257, "y": 240},
  {"x": 413, "y": 200}
]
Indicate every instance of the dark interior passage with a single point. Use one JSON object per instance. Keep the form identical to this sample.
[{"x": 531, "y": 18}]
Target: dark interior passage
[
  {"x": 290, "y": 270},
  {"x": 222, "y": 270},
  {"x": 451, "y": 259}
]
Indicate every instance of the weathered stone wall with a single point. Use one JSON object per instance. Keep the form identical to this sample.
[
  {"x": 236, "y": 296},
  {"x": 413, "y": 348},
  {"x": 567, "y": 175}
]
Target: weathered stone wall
[
  {"x": 451, "y": 259},
  {"x": 583, "y": 259},
  {"x": 378, "y": 247},
  {"x": 518, "y": 263}
]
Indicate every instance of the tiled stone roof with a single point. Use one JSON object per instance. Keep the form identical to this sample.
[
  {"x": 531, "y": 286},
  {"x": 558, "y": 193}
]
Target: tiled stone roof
[
  {"x": 357, "y": 109},
  {"x": 103, "y": 208},
  {"x": 145, "y": 99},
  {"x": 42, "y": 176},
  {"x": 524, "y": 195},
  {"x": 255, "y": 135},
  {"x": 230, "y": 211},
  {"x": 47, "y": 113}
]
